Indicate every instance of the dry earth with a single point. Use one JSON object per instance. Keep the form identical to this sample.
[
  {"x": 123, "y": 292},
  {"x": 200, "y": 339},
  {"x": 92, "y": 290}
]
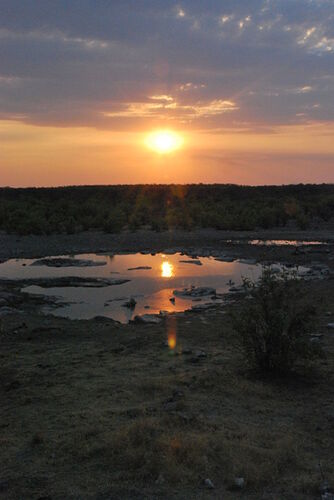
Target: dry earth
[{"x": 97, "y": 410}]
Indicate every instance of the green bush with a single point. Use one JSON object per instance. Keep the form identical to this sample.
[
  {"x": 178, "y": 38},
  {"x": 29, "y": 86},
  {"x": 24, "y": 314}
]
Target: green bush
[{"x": 275, "y": 323}]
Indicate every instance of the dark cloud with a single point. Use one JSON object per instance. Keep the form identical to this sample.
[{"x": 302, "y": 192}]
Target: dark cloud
[{"x": 97, "y": 62}]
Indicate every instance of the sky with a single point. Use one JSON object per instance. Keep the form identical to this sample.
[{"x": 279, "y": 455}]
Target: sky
[{"x": 247, "y": 85}]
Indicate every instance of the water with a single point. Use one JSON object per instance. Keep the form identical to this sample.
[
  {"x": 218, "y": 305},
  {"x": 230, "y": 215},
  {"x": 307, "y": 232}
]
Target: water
[
  {"x": 295, "y": 243},
  {"x": 151, "y": 287}
]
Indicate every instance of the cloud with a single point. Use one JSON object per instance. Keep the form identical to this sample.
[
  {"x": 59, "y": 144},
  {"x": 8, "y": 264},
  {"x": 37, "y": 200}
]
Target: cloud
[{"x": 205, "y": 64}]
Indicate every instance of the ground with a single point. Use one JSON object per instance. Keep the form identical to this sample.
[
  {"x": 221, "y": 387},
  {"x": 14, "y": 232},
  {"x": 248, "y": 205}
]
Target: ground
[{"x": 97, "y": 410}]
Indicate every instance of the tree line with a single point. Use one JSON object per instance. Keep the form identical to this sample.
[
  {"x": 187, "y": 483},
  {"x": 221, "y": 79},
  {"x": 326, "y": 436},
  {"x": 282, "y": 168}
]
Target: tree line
[{"x": 162, "y": 207}]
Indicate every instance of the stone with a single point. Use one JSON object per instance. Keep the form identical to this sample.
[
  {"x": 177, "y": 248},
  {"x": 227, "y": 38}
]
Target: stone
[
  {"x": 196, "y": 262},
  {"x": 203, "y": 307},
  {"x": 67, "y": 262},
  {"x": 209, "y": 484},
  {"x": 147, "y": 318},
  {"x": 70, "y": 281},
  {"x": 239, "y": 482},
  {"x": 4, "y": 311},
  {"x": 237, "y": 289},
  {"x": 200, "y": 354},
  {"x": 139, "y": 268},
  {"x": 201, "y": 291},
  {"x": 327, "y": 496},
  {"x": 160, "y": 479},
  {"x": 225, "y": 259},
  {"x": 247, "y": 261},
  {"x": 131, "y": 304}
]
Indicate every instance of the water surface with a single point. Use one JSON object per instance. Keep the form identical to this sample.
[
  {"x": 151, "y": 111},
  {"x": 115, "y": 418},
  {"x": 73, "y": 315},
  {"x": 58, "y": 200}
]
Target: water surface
[{"x": 151, "y": 286}]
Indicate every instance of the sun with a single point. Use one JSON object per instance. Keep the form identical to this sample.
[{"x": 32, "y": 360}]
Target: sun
[{"x": 164, "y": 141}]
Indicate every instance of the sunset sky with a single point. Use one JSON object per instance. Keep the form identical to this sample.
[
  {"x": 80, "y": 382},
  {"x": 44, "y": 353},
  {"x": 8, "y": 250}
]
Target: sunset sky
[{"x": 247, "y": 87}]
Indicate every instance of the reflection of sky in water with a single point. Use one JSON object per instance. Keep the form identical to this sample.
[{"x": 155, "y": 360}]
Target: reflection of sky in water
[
  {"x": 278, "y": 242},
  {"x": 151, "y": 288}
]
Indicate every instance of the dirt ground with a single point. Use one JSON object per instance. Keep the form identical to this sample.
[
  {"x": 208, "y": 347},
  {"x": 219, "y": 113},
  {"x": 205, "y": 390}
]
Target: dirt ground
[
  {"x": 14, "y": 246},
  {"x": 97, "y": 410}
]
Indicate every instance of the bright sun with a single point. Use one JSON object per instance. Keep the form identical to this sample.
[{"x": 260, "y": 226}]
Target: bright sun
[{"x": 164, "y": 141}]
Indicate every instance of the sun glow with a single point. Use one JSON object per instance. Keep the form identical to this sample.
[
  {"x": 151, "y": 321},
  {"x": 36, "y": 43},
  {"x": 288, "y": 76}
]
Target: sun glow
[
  {"x": 167, "y": 270},
  {"x": 164, "y": 141}
]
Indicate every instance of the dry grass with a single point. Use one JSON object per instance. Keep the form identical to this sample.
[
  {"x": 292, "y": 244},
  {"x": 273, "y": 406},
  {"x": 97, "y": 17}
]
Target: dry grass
[{"x": 86, "y": 414}]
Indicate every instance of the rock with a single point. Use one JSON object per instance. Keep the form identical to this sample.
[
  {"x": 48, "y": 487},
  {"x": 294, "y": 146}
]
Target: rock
[
  {"x": 196, "y": 262},
  {"x": 163, "y": 313},
  {"x": 330, "y": 325},
  {"x": 327, "y": 496},
  {"x": 177, "y": 394},
  {"x": 70, "y": 281},
  {"x": 160, "y": 479},
  {"x": 247, "y": 261},
  {"x": 200, "y": 354},
  {"x": 4, "y": 311},
  {"x": 67, "y": 262},
  {"x": 131, "y": 304},
  {"x": 170, "y": 405},
  {"x": 186, "y": 351},
  {"x": 197, "y": 356},
  {"x": 324, "y": 487},
  {"x": 104, "y": 319},
  {"x": 239, "y": 482},
  {"x": 299, "y": 250},
  {"x": 225, "y": 259},
  {"x": 237, "y": 289},
  {"x": 7, "y": 296},
  {"x": 147, "y": 318},
  {"x": 303, "y": 272},
  {"x": 170, "y": 251},
  {"x": 201, "y": 291},
  {"x": 139, "y": 268},
  {"x": 4, "y": 486},
  {"x": 203, "y": 307},
  {"x": 209, "y": 484},
  {"x": 172, "y": 300}
]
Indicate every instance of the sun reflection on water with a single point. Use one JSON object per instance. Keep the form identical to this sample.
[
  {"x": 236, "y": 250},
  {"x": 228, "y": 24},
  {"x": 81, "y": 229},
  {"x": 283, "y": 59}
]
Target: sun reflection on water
[{"x": 167, "y": 270}]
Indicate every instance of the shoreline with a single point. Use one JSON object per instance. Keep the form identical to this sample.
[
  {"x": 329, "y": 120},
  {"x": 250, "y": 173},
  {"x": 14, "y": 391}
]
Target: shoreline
[{"x": 36, "y": 246}]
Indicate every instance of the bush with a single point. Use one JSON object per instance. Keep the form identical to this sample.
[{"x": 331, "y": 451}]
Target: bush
[{"x": 274, "y": 325}]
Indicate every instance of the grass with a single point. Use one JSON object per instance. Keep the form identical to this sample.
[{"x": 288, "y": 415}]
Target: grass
[{"x": 96, "y": 411}]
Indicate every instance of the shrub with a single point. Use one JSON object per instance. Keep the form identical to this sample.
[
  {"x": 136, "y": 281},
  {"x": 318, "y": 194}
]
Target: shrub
[{"x": 274, "y": 325}]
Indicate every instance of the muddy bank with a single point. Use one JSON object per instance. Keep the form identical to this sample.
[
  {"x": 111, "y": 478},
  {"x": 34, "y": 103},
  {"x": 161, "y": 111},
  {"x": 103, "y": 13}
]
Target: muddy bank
[{"x": 13, "y": 246}]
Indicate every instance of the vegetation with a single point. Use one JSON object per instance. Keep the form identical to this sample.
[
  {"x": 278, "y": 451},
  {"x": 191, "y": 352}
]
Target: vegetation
[
  {"x": 274, "y": 326},
  {"x": 95, "y": 410},
  {"x": 161, "y": 207}
]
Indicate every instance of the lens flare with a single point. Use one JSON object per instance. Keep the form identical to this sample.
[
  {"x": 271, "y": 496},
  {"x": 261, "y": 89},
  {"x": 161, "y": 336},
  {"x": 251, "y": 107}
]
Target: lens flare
[
  {"x": 172, "y": 340},
  {"x": 171, "y": 333}
]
